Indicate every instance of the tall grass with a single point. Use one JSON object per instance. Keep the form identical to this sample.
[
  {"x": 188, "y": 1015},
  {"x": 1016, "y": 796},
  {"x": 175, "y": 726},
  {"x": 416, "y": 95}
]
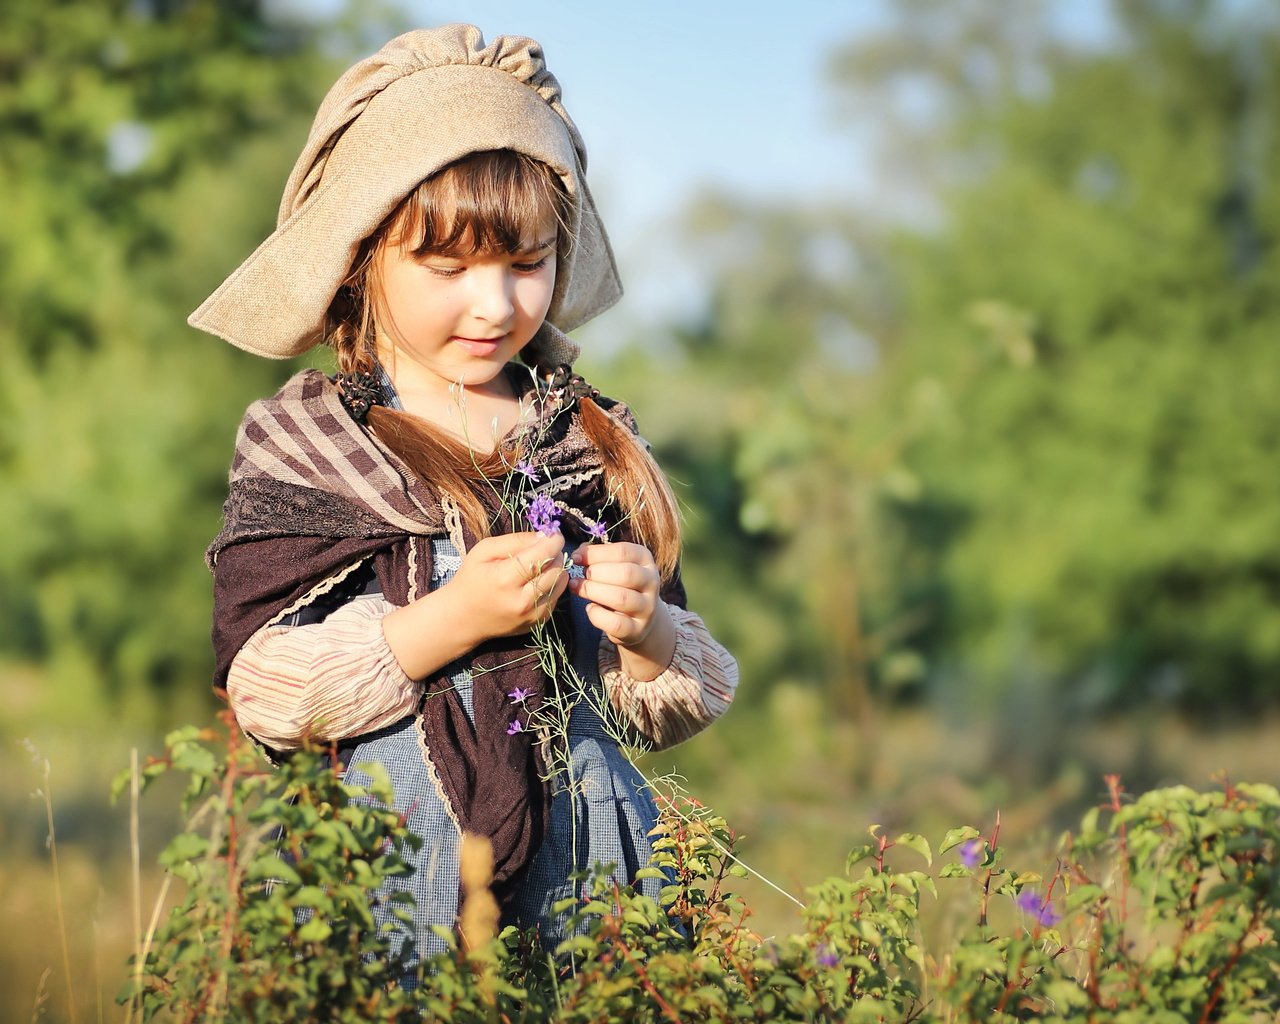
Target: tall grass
[{"x": 45, "y": 793}]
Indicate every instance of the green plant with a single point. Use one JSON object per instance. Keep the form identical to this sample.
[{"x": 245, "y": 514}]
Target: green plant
[
  {"x": 1161, "y": 908},
  {"x": 279, "y": 865}
]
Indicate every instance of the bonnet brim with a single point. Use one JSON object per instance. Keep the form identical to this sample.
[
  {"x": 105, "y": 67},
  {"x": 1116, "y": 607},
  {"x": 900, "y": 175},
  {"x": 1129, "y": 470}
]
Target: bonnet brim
[{"x": 425, "y": 100}]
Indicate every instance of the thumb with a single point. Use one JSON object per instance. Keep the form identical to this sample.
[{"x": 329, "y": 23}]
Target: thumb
[{"x": 505, "y": 545}]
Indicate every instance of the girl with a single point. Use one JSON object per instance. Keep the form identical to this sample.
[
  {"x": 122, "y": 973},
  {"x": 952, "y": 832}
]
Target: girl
[{"x": 394, "y": 533}]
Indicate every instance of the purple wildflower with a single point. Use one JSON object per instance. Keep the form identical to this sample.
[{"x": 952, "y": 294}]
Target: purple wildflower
[
  {"x": 527, "y": 469},
  {"x": 576, "y": 571},
  {"x": 826, "y": 956},
  {"x": 515, "y": 727},
  {"x": 597, "y": 531},
  {"x": 971, "y": 853},
  {"x": 519, "y": 695},
  {"x": 1030, "y": 902},
  {"x": 542, "y": 515}
]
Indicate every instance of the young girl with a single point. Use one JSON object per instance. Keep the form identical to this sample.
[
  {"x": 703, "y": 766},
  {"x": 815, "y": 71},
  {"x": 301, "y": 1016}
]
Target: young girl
[{"x": 393, "y": 534}]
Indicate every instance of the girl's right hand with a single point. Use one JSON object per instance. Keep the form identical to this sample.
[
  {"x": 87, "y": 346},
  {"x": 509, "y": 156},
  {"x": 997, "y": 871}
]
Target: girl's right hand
[
  {"x": 510, "y": 583},
  {"x": 505, "y": 586}
]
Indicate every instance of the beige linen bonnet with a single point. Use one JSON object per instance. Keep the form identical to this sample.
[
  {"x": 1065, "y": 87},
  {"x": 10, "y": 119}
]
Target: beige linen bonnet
[{"x": 426, "y": 99}]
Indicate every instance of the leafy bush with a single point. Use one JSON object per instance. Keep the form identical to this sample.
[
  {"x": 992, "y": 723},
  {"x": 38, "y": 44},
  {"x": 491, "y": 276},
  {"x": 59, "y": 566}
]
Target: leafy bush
[{"x": 1165, "y": 911}]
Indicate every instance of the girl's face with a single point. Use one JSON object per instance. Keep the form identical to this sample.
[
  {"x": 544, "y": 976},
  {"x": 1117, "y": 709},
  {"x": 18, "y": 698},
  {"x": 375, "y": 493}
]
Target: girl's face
[{"x": 446, "y": 320}]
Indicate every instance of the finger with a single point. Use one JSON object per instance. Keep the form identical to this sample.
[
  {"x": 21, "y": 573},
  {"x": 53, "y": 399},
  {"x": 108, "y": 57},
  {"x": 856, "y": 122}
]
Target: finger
[
  {"x": 624, "y": 574},
  {"x": 547, "y": 590},
  {"x": 619, "y": 628},
  {"x": 597, "y": 554},
  {"x": 619, "y": 599},
  {"x": 536, "y": 555},
  {"x": 546, "y": 548},
  {"x": 549, "y": 579},
  {"x": 557, "y": 587},
  {"x": 506, "y": 544}
]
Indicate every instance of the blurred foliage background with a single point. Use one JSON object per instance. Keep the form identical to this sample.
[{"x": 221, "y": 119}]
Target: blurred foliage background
[{"x": 986, "y": 499}]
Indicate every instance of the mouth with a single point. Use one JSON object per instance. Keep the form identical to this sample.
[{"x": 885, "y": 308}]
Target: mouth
[{"x": 479, "y": 346}]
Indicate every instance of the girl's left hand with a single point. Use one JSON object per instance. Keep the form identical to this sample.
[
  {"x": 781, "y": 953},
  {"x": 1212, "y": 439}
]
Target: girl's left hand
[{"x": 621, "y": 585}]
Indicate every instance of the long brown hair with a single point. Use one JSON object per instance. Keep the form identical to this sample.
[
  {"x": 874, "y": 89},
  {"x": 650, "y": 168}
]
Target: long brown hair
[{"x": 484, "y": 204}]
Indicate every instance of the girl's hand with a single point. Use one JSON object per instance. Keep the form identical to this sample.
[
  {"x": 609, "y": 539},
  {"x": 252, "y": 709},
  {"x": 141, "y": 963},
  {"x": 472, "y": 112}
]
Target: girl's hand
[
  {"x": 621, "y": 584},
  {"x": 510, "y": 583},
  {"x": 504, "y": 586}
]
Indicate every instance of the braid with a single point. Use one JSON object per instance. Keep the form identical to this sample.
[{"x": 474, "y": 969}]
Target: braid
[
  {"x": 350, "y": 326},
  {"x": 641, "y": 487}
]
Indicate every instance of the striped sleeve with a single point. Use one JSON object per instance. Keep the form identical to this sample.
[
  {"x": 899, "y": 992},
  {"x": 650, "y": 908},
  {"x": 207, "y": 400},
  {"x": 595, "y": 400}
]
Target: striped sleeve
[
  {"x": 320, "y": 681},
  {"x": 692, "y": 693}
]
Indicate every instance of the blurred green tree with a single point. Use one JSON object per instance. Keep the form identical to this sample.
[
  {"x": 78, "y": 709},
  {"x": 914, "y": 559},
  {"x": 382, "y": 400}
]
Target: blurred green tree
[
  {"x": 1024, "y": 448},
  {"x": 142, "y": 158},
  {"x": 1090, "y": 340}
]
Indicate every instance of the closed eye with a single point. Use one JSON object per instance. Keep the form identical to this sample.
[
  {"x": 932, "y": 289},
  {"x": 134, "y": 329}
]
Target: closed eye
[
  {"x": 531, "y": 268},
  {"x": 444, "y": 271}
]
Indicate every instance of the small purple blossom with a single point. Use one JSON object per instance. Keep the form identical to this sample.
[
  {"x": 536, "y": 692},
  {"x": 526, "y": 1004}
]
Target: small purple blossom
[
  {"x": 576, "y": 571},
  {"x": 543, "y": 515},
  {"x": 515, "y": 727},
  {"x": 826, "y": 956},
  {"x": 527, "y": 469},
  {"x": 1030, "y": 902},
  {"x": 519, "y": 695},
  {"x": 971, "y": 853},
  {"x": 597, "y": 531}
]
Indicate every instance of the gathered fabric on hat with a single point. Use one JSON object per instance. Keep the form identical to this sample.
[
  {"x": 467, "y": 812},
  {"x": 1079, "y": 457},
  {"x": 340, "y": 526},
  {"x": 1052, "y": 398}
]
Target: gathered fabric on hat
[{"x": 425, "y": 100}]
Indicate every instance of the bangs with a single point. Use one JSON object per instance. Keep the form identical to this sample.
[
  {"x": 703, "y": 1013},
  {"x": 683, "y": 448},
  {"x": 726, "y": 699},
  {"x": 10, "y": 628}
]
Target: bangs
[{"x": 487, "y": 203}]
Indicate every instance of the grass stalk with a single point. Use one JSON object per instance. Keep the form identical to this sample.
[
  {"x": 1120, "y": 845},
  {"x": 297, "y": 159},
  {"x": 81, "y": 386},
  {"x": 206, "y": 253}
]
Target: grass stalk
[
  {"x": 57, "y": 892},
  {"x": 42, "y": 996},
  {"x": 135, "y": 849},
  {"x": 97, "y": 959}
]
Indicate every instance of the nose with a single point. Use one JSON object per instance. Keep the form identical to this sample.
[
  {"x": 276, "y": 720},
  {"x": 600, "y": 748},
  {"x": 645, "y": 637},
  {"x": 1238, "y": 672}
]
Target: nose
[{"x": 492, "y": 293}]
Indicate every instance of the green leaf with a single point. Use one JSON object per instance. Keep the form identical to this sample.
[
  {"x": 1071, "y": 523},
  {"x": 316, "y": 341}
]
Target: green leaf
[
  {"x": 956, "y": 836},
  {"x": 315, "y": 930},
  {"x": 194, "y": 759},
  {"x": 858, "y": 854},
  {"x": 183, "y": 848},
  {"x": 918, "y": 843}
]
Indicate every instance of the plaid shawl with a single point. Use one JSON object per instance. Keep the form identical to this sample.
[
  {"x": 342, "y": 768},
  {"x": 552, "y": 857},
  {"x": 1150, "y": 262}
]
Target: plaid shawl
[{"x": 313, "y": 496}]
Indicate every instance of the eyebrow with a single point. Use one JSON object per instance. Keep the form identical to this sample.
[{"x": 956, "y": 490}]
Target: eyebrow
[{"x": 548, "y": 244}]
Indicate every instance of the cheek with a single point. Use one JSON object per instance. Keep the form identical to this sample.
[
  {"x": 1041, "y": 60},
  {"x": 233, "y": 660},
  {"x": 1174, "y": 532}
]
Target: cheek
[{"x": 412, "y": 299}]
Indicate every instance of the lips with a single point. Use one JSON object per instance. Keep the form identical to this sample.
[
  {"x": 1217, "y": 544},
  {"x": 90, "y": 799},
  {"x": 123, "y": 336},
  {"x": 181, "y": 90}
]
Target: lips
[{"x": 480, "y": 346}]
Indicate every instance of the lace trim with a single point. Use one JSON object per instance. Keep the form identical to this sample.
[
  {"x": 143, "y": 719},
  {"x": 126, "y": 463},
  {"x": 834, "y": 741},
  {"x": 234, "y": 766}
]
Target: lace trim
[
  {"x": 453, "y": 522},
  {"x": 421, "y": 733},
  {"x": 445, "y": 561},
  {"x": 571, "y": 479},
  {"x": 318, "y": 591},
  {"x": 413, "y": 569}
]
